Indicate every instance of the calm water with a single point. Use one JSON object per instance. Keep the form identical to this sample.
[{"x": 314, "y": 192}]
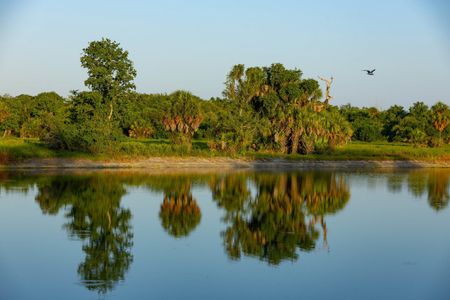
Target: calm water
[{"x": 238, "y": 235}]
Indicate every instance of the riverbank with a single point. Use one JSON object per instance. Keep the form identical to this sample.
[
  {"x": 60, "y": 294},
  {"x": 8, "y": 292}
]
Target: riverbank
[
  {"x": 158, "y": 154},
  {"x": 219, "y": 163}
]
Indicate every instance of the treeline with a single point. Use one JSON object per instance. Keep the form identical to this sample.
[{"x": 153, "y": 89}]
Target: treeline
[
  {"x": 419, "y": 125},
  {"x": 263, "y": 109}
]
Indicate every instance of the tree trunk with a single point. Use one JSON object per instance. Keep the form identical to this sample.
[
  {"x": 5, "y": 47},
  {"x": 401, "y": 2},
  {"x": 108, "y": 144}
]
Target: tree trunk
[
  {"x": 109, "y": 219},
  {"x": 282, "y": 141},
  {"x": 110, "y": 111},
  {"x": 328, "y": 83},
  {"x": 307, "y": 146},
  {"x": 294, "y": 141}
]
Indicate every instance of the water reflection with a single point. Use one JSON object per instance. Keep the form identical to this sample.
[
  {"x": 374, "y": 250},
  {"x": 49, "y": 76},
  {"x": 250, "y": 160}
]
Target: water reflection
[
  {"x": 94, "y": 215},
  {"x": 438, "y": 189},
  {"x": 434, "y": 184},
  {"x": 179, "y": 212},
  {"x": 281, "y": 217},
  {"x": 272, "y": 216}
]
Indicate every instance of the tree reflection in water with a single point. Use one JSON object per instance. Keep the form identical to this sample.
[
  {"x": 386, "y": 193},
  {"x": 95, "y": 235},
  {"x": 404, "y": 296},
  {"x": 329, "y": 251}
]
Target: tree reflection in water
[
  {"x": 434, "y": 183},
  {"x": 282, "y": 217},
  {"x": 438, "y": 186},
  {"x": 269, "y": 215},
  {"x": 94, "y": 215},
  {"x": 179, "y": 212}
]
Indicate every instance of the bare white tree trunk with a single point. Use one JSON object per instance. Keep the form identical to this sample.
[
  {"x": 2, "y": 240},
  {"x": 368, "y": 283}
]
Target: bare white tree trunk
[{"x": 328, "y": 83}]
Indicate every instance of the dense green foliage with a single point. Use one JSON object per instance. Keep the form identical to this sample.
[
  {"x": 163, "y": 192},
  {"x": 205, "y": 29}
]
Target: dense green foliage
[
  {"x": 111, "y": 72},
  {"x": 265, "y": 109},
  {"x": 283, "y": 110},
  {"x": 419, "y": 125},
  {"x": 182, "y": 117}
]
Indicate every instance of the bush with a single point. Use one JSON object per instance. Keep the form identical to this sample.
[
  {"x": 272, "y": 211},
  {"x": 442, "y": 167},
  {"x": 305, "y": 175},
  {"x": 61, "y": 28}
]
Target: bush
[
  {"x": 88, "y": 127},
  {"x": 367, "y": 130},
  {"x": 140, "y": 131}
]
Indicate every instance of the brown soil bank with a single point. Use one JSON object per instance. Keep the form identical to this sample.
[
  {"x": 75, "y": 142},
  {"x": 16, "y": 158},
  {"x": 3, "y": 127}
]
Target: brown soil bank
[{"x": 220, "y": 163}]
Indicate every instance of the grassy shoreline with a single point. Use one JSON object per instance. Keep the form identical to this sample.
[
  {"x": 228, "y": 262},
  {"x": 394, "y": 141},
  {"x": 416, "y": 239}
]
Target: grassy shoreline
[{"x": 15, "y": 150}]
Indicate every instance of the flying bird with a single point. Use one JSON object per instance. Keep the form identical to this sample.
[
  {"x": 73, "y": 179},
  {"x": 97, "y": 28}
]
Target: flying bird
[{"x": 369, "y": 72}]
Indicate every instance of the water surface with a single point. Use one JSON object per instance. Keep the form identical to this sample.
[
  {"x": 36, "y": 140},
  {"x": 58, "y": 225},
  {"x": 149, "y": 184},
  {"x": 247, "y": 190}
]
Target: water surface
[{"x": 252, "y": 235}]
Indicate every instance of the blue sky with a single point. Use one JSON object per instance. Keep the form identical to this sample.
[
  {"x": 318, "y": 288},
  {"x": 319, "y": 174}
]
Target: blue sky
[{"x": 192, "y": 45}]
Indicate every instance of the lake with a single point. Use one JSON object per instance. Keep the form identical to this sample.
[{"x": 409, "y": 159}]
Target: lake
[{"x": 230, "y": 235}]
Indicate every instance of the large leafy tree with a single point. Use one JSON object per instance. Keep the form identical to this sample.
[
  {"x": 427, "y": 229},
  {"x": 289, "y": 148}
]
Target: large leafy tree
[
  {"x": 288, "y": 109},
  {"x": 391, "y": 119},
  {"x": 110, "y": 71}
]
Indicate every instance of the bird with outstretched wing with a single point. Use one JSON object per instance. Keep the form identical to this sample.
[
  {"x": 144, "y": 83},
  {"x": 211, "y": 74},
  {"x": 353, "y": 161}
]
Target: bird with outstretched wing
[{"x": 369, "y": 72}]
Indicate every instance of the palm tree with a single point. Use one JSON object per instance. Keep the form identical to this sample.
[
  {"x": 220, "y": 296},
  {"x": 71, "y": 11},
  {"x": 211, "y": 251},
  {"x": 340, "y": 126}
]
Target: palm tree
[
  {"x": 234, "y": 78},
  {"x": 440, "y": 114}
]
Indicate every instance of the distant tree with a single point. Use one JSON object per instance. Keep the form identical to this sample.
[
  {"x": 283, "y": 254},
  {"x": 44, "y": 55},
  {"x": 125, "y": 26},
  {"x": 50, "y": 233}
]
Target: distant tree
[
  {"x": 234, "y": 79},
  {"x": 367, "y": 130},
  {"x": 366, "y": 123},
  {"x": 420, "y": 111},
  {"x": 182, "y": 117},
  {"x": 110, "y": 71},
  {"x": 416, "y": 126},
  {"x": 21, "y": 107},
  {"x": 440, "y": 114},
  {"x": 408, "y": 130},
  {"x": 47, "y": 111},
  {"x": 4, "y": 114},
  {"x": 141, "y": 115},
  {"x": 391, "y": 118}
]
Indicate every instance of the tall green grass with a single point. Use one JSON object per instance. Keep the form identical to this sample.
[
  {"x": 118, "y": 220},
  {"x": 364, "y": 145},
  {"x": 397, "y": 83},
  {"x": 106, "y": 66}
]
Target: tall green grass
[
  {"x": 372, "y": 151},
  {"x": 15, "y": 149}
]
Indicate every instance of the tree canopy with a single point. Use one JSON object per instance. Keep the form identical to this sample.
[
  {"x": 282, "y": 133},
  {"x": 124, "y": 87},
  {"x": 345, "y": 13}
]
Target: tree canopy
[{"x": 110, "y": 71}]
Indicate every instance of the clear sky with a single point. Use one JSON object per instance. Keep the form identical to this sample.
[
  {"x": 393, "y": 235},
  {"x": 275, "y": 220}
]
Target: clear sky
[{"x": 191, "y": 45}]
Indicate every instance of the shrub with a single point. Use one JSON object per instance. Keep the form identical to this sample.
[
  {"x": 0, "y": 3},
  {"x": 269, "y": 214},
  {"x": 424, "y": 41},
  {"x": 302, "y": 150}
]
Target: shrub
[{"x": 139, "y": 131}]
